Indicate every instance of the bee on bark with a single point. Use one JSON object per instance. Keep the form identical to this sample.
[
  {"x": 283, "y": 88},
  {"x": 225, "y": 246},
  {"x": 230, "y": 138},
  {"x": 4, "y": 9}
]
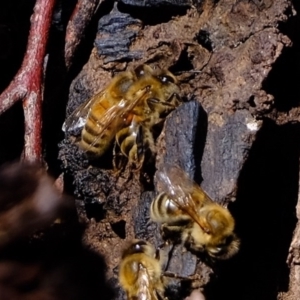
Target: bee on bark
[
  {"x": 140, "y": 272},
  {"x": 127, "y": 113},
  {"x": 188, "y": 214}
]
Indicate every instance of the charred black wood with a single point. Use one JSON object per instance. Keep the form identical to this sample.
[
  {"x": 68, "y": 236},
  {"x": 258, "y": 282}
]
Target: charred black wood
[
  {"x": 116, "y": 31},
  {"x": 228, "y": 142},
  {"x": 184, "y": 138}
]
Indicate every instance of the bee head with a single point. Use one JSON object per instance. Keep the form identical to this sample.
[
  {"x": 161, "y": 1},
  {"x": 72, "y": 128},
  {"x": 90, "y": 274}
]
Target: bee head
[
  {"x": 225, "y": 249},
  {"x": 220, "y": 221},
  {"x": 139, "y": 246},
  {"x": 167, "y": 78}
]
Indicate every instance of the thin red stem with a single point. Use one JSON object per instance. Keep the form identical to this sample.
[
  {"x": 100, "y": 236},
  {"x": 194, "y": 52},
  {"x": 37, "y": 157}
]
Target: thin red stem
[{"x": 28, "y": 82}]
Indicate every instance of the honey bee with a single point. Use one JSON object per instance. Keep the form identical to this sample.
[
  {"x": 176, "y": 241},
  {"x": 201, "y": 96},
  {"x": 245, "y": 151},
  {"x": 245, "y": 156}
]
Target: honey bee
[
  {"x": 187, "y": 213},
  {"x": 140, "y": 272},
  {"x": 126, "y": 112}
]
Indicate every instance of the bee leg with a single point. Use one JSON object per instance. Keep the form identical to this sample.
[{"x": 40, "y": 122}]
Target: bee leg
[
  {"x": 164, "y": 107},
  {"x": 119, "y": 160},
  {"x": 149, "y": 145},
  {"x": 164, "y": 244},
  {"x": 135, "y": 143},
  {"x": 143, "y": 149},
  {"x": 130, "y": 143},
  {"x": 137, "y": 153},
  {"x": 172, "y": 102},
  {"x": 174, "y": 99},
  {"x": 125, "y": 141},
  {"x": 160, "y": 249},
  {"x": 171, "y": 232},
  {"x": 191, "y": 245}
]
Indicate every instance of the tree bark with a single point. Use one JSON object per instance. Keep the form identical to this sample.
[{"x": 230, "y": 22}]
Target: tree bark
[{"x": 226, "y": 136}]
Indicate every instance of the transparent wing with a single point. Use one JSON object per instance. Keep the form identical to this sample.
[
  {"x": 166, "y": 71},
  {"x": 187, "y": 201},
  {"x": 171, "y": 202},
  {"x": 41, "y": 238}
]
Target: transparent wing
[
  {"x": 184, "y": 192},
  {"x": 78, "y": 117},
  {"x": 118, "y": 86},
  {"x": 143, "y": 283},
  {"x": 174, "y": 181},
  {"x": 118, "y": 113}
]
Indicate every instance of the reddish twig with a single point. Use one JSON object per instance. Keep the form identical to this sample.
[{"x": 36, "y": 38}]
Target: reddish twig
[
  {"x": 81, "y": 16},
  {"x": 28, "y": 83}
]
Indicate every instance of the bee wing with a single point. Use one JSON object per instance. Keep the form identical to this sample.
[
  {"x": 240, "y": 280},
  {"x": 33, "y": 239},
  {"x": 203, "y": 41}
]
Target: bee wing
[
  {"x": 118, "y": 112},
  {"x": 78, "y": 117},
  {"x": 184, "y": 192},
  {"x": 174, "y": 181},
  {"x": 143, "y": 282}
]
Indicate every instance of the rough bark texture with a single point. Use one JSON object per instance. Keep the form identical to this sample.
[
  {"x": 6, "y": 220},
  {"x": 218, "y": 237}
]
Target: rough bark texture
[
  {"x": 77, "y": 25},
  {"x": 226, "y": 136}
]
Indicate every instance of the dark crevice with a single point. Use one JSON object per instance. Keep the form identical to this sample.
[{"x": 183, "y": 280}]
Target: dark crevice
[
  {"x": 86, "y": 45},
  {"x": 55, "y": 93},
  {"x": 95, "y": 210},
  {"x": 15, "y": 24},
  {"x": 12, "y": 134},
  {"x": 14, "y": 29},
  {"x": 283, "y": 79},
  {"x": 265, "y": 217},
  {"x": 296, "y": 5},
  {"x": 119, "y": 228},
  {"x": 204, "y": 40},
  {"x": 251, "y": 101},
  {"x": 183, "y": 63},
  {"x": 201, "y": 134}
]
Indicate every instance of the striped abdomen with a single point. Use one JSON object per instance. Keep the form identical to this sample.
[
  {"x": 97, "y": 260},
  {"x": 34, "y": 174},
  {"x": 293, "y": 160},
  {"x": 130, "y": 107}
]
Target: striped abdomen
[
  {"x": 164, "y": 210},
  {"x": 95, "y": 138}
]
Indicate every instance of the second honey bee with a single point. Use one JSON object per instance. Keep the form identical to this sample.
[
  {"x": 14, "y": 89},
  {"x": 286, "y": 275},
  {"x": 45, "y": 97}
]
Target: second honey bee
[
  {"x": 188, "y": 214},
  {"x": 140, "y": 272},
  {"x": 126, "y": 113}
]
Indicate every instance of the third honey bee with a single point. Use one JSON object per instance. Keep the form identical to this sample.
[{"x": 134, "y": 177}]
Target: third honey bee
[
  {"x": 140, "y": 272},
  {"x": 188, "y": 214},
  {"x": 127, "y": 114}
]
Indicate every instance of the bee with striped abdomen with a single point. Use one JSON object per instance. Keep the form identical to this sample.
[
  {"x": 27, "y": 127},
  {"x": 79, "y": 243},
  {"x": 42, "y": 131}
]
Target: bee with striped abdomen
[
  {"x": 188, "y": 214},
  {"x": 140, "y": 272},
  {"x": 126, "y": 113}
]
